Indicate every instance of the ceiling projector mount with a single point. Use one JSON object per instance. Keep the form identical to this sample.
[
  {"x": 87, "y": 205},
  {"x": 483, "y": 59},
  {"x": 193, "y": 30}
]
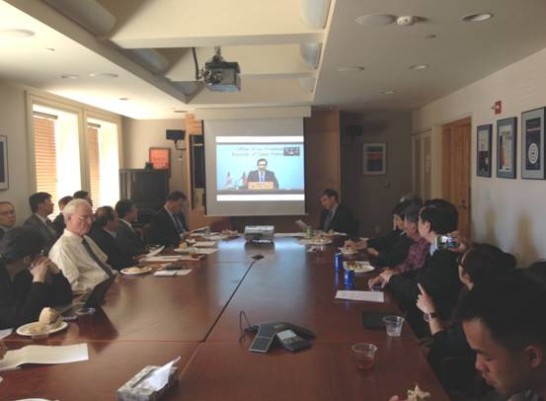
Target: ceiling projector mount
[{"x": 218, "y": 74}]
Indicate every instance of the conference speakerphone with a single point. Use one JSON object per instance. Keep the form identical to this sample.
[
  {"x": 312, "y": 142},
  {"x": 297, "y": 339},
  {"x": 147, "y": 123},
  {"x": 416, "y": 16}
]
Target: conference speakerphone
[{"x": 267, "y": 332}]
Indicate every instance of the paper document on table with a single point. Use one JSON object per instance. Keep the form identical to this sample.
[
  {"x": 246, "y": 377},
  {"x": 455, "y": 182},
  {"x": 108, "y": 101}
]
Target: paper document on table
[
  {"x": 371, "y": 296},
  {"x": 293, "y": 235},
  {"x": 44, "y": 354},
  {"x": 155, "y": 251},
  {"x": 5, "y": 333},
  {"x": 171, "y": 273},
  {"x": 169, "y": 258}
]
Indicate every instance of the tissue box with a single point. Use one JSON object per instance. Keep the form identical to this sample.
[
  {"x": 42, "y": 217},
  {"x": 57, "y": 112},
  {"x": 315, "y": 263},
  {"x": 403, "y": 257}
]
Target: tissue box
[{"x": 136, "y": 388}]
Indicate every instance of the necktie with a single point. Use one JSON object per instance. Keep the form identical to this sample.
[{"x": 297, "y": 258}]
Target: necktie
[
  {"x": 261, "y": 177},
  {"x": 328, "y": 220},
  {"x": 178, "y": 224},
  {"x": 107, "y": 269},
  {"x": 51, "y": 227}
]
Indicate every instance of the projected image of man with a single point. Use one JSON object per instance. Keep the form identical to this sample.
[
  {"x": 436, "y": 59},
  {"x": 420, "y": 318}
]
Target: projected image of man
[{"x": 262, "y": 174}]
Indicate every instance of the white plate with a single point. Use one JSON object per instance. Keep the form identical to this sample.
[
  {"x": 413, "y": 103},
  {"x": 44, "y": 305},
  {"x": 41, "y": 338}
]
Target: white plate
[
  {"x": 24, "y": 330},
  {"x": 347, "y": 251},
  {"x": 315, "y": 241},
  {"x": 155, "y": 251},
  {"x": 135, "y": 271},
  {"x": 358, "y": 266}
]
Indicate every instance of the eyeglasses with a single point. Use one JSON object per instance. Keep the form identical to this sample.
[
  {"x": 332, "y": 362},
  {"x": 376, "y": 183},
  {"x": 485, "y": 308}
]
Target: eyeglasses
[{"x": 86, "y": 217}]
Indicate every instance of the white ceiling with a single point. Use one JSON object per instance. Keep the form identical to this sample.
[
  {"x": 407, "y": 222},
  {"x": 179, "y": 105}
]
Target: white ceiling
[{"x": 264, "y": 37}]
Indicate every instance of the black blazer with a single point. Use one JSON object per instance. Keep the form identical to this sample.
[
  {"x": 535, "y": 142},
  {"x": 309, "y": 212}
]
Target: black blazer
[
  {"x": 59, "y": 224},
  {"x": 343, "y": 221},
  {"x": 107, "y": 244},
  {"x": 162, "y": 229},
  {"x": 269, "y": 176},
  {"x": 128, "y": 241},
  {"x": 49, "y": 235}
]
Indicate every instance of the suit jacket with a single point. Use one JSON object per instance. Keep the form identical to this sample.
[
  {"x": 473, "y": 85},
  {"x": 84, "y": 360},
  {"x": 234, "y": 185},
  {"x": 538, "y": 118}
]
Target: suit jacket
[
  {"x": 343, "y": 221},
  {"x": 59, "y": 224},
  {"x": 269, "y": 176},
  {"x": 396, "y": 254},
  {"x": 48, "y": 234},
  {"x": 440, "y": 279},
  {"x": 107, "y": 244},
  {"x": 128, "y": 241},
  {"x": 162, "y": 229}
]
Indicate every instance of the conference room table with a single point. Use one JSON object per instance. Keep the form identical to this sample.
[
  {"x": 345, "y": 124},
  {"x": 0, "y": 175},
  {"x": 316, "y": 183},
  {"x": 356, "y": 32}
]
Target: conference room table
[{"x": 149, "y": 320}]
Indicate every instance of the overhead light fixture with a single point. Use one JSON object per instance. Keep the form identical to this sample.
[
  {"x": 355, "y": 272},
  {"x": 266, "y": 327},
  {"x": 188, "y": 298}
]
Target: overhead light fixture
[
  {"x": 308, "y": 84},
  {"x": 310, "y": 53},
  {"x": 407, "y": 20},
  {"x": 354, "y": 68},
  {"x": 431, "y": 36},
  {"x": 418, "y": 67},
  {"x": 124, "y": 99},
  {"x": 480, "y": 17},
  {"x": 70, "y": 76},
  {"x": 389, "y": 92},
  {"x": 51, "y": 49},
  {"x": 16, "y": 33},
  {"x": 105, "y": 75},
  {"x": 180, "y": 111},
  {"x": 375, "y": 19}
]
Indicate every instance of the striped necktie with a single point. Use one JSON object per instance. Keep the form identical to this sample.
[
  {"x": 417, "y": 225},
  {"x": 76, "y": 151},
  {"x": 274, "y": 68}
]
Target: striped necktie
[{"x": 107, "y": 269}]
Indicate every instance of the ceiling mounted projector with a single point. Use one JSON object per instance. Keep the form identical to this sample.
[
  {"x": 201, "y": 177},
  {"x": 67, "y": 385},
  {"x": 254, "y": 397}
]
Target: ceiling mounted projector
[{"x": 221, "y": 75}]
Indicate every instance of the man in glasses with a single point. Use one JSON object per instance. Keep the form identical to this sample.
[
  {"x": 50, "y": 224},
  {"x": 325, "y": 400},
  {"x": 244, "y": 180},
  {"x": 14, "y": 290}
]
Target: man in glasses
[
  {"x": 79, "y": 257},
  {"x": 7, "y": 217}
]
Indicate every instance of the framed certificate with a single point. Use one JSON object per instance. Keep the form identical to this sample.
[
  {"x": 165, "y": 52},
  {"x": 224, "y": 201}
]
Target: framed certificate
[
  {"x": 532, "y": 144},
  {"x": 483, "y": 165},
  {"x": 506, "y": 147}
]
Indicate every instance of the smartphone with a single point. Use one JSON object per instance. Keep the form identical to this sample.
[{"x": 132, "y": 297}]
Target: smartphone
[
  {"x": 446, "y": 242},
  {"x": 291, "y": 341}
]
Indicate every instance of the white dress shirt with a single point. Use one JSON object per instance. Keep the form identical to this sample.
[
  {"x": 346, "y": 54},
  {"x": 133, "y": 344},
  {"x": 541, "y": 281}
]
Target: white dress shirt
[{"x": 79, "y": 268}]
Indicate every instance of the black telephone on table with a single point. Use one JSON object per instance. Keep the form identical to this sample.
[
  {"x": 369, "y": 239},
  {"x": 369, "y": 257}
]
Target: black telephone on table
[{"x": 290, "y": 336}]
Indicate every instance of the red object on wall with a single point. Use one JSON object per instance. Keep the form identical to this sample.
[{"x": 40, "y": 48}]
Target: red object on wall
[{"x": 498, "y": 107}]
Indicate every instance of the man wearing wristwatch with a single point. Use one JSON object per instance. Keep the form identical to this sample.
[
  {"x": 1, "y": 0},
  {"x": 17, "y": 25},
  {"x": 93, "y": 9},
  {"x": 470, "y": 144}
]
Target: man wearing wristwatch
[{"x": 480, "y": 263}]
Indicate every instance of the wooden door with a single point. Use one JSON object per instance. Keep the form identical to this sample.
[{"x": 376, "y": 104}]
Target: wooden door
[{"x": 456, "y": 139}]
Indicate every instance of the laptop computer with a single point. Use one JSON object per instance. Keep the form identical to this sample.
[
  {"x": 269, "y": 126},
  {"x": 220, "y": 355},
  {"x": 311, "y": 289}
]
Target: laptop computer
[{"x": 90, "y": 299}]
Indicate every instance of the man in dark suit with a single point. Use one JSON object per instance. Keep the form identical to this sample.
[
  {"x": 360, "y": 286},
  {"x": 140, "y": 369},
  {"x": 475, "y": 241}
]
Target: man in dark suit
[
  {"x": 335, "y": 216},
  {"x": 7, "y": 217},
  {"x": 262, "y": 174},
  {"x": 168, "y": 225},
  {"x": 127, "y": 237},
  {"x": 41, "y": 207},
  {"x": 58, "y": 222},
  {"x": 104, "y": 233}
]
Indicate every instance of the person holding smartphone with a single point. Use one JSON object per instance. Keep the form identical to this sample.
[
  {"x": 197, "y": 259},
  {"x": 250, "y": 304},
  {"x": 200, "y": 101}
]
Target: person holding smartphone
[{"x": 29, "y": 281}]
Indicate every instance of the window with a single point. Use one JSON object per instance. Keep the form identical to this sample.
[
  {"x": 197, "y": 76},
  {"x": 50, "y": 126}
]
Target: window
[{"x": 67, "y": 159}]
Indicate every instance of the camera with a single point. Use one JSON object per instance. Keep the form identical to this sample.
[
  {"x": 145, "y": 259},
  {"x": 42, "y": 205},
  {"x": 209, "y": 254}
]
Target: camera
[{"x": 446, "y": 242}]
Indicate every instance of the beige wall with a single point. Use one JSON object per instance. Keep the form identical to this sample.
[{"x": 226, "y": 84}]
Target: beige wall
[
  {"x": 140, "y": 135},
  {"x": 13, "y": 125},
  {"x": 505, "y": 212},
  {"x": 371, "y": 198}
]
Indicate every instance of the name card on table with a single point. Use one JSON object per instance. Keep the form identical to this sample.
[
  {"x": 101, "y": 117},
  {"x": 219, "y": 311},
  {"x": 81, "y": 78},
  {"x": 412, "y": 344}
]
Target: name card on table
[{"x": 370, "y": 296}]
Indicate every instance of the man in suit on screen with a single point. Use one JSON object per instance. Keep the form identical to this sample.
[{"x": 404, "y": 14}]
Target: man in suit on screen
[{"x": 262, "y": 174}]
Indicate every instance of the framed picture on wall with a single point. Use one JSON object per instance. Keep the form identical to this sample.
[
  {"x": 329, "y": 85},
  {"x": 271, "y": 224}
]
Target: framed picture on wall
[
  {"x": 160, "y": 158},
  {"x": 506, "y": 147},
  {"x": 4, "y": 177},
  {"x": 484, "y": 134},
  {"x": 374, "y": 158},
  {"x": 532, "y": 144}
]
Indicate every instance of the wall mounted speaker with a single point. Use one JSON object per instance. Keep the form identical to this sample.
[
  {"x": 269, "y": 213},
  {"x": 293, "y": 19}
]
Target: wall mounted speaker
[{"x": 175, "y": 134}]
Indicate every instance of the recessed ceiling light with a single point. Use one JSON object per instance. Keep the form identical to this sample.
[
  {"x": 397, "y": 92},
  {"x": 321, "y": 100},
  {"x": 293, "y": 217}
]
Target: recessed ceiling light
[
  {"x": 16, "y": 33},
  {"x": 180, "y": 111},
  {"x": 418, "y": 67},
  {"x": 51, "y": 49},
  {"x": 375, "y": 19},
  {"x": 354, "y": 68},
  {"x": 123, "y": 99},
  {"x": 389, "y": 92},
  {"x": 105, "y": 75},
  {"x": 431, "y": 36},
  {"x": 477, "y": 17},
  {"x": 70, "y": 76}
]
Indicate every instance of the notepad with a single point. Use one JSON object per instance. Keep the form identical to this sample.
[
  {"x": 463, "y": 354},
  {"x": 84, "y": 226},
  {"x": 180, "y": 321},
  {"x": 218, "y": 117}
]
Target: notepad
[
  {"x": 44, "y": 354},
  {"x": 171, "y": 273},
  {"x": 370, "y": 296}
]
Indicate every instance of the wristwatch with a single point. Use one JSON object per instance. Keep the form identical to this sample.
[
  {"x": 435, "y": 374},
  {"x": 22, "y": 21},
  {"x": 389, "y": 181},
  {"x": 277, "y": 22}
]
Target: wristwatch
[{"x": 428, "y": 316}]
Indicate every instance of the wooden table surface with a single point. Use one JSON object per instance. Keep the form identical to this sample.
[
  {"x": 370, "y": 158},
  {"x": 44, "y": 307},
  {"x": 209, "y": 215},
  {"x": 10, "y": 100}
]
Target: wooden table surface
[{"x": 150, "y": 320}]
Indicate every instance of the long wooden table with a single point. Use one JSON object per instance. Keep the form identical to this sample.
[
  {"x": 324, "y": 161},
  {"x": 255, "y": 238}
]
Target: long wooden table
[{"x": 150, "y": 320}]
